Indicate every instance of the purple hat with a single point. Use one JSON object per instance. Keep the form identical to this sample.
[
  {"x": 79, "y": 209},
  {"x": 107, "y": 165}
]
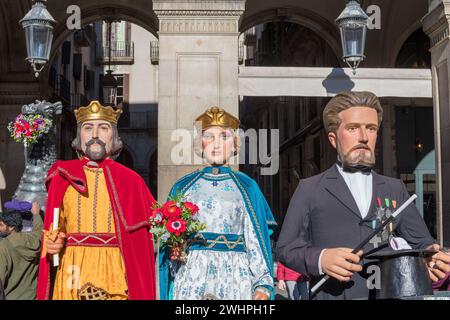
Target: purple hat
[{"x": 20, "y": 206}]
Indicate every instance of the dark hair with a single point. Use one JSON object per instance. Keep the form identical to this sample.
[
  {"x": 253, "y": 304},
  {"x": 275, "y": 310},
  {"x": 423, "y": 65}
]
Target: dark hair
[
  {"x": 116, "y": 145},
  {"x": 12, "y": 219},
  {"x": 346, "y": 100}
]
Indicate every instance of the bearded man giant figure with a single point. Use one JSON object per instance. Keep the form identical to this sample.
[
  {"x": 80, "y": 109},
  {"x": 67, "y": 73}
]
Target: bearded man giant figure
[{"x": 103, "y": 239}]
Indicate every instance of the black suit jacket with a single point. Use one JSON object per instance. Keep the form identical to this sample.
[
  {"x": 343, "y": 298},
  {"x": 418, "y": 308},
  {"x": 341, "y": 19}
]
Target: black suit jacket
[{"x": 323, "y": 214}]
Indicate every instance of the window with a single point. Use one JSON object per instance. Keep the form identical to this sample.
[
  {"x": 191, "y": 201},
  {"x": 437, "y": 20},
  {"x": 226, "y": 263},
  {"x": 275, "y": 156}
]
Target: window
[{"x": 120, "y": 88}]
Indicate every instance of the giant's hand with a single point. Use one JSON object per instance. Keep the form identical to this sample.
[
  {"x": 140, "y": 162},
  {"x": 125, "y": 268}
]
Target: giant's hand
[
  {"x": 438, "y": 264},
  {"x": 35, "y": 208},
  {"x": 281, "y": 285},
  {"x": 57, "y": 245},
  {"x": 340, "y": 263},
  {"x": 259, "y": 295}
]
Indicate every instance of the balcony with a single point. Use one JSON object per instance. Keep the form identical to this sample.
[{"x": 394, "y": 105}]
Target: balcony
[
  {"x": 122, "y": 53},
  {"x": 154, "y": 52}
]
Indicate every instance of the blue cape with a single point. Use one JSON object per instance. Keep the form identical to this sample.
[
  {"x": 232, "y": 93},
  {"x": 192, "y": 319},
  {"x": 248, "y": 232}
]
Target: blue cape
[{"x": 257, "y": 207}]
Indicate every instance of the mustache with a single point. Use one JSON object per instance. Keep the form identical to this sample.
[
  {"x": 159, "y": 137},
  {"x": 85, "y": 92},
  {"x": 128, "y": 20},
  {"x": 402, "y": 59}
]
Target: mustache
[
  {"x": 94, "y": 141},
  {"x": 360, "y": 146}
]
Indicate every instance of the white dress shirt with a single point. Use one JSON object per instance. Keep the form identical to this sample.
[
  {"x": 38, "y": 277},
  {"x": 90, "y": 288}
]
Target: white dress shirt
[{"x": 360, "y": 185}]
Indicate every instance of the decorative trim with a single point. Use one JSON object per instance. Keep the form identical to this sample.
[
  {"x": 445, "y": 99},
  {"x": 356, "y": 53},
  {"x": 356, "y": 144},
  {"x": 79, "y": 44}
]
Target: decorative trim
[
  {"x": 93, "y": 170},
  {"x": 78, "y": 212},
  {"x": 199, "y": 13},
  {"x": 82, "y": 188},
  {"x": 199, "y": 26},
  {"x": 439, "y": 36},
  {"x": 198, "y": 6},
  {"x": 211, "y": 177},
  {"x": 94, "y": 205},
  {"x": 90, "y": 292},
  {"x": 222, "y": 239},
  {"x": 92, "y": 240},
  {"x": 109, "y": 218},
  {"x": 191, "y": 182}
]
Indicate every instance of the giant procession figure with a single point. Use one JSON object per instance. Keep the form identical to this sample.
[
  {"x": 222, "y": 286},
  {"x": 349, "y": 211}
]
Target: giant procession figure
[
  {"x": 101, "y": 234},
  {"x": 331, "y": 213},
  {"x": 232, "y": 259}
]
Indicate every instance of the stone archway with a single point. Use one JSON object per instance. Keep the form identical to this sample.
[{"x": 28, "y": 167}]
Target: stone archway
[
  {"x": 303, "y": 17},
  {"x": 94, "y": 13},
  {"x": 397, "y": 47}
]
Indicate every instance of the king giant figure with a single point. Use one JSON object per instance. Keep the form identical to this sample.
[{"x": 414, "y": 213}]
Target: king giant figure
[{"x": 103, "y": 239}]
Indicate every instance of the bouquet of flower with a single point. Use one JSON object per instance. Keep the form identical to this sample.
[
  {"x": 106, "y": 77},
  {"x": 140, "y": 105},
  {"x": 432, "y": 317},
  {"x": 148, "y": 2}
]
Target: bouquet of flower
[
  {"x": 175, "y": 224},
  {"x": 27, "y": 129}
]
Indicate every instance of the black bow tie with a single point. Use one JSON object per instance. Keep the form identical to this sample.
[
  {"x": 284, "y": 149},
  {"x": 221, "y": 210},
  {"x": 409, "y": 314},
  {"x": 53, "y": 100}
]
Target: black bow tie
[{"x": 355, "y": 168}]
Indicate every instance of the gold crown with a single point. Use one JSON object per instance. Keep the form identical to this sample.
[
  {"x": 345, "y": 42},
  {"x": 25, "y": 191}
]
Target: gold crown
[
  {"x": 95, "y": 111},
  {"x": 218, "y": 117}
]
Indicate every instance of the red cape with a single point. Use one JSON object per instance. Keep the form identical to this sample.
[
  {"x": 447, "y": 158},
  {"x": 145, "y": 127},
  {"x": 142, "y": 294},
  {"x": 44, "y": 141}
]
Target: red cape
[{"x": 131, "y": 202}]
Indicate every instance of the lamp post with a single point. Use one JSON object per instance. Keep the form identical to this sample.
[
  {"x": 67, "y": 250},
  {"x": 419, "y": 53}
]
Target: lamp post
[
  {"x": 109, "y": 82},
  {"x": 109, "y": 85},
  {"x": 37, "y": 24},
  {"x": 352, "y": 23}
]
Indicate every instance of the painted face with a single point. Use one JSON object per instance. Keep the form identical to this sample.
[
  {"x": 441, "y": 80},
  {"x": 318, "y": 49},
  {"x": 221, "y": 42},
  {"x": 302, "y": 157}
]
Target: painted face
[
  {"x": 356, "y": 137},
  {"x": 218, "y": 145},
  {"x": 96, "y": 139},
  {"x": 5, "y": 230}
]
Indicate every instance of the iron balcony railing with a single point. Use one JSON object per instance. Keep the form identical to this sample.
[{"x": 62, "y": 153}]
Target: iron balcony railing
[
  {"x": 78, "y": 100},
  {"x": 122, "y": 52}
]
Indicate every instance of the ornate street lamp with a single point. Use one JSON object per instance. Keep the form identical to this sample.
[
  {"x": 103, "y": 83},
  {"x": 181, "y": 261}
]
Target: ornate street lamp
[
  {"x": 352, "y": 23},
  {"x": 37, "y": 24},
  {"x": 109, "y": 85},
  {"x": 109, "y": 82}
]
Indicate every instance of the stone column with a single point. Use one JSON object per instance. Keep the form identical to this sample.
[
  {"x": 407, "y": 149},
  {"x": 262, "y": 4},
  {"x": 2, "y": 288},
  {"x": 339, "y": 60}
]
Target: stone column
[
  {"x": 436, "y": 24},
  {"x": 198, "y": 68}
]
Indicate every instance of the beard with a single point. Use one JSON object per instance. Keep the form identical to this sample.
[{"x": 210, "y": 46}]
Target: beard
[
  {"x": 96, "y": 155},
  {"x": 364, "y": 158},
  {"x": 4, "y": 235}
]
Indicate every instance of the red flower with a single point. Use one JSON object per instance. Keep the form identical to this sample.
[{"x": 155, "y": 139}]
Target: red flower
[
  {"x": 171, "y": 210},
  {"x": 169, "y": 204},
  {"x": 157, "y": 215},
  {"x": 18, "y": 127},
  {"x": 176, "y": 226},
  {"x": 193, "y": 208}
]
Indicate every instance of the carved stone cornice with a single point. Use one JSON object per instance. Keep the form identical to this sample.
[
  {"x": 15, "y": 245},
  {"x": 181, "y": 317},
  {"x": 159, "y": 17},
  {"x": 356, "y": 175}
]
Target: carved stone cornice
[
  {"x": 199, "y": 26},
  {"x": 199, "y": 16},
  {"x": 197, "y": 13},
  {"x": 198, "y": 7},
  {"x": 436, "y": 24}
]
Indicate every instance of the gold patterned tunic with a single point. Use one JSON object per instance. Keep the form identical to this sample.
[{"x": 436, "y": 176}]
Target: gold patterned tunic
[{"x": 91, "y": 265}]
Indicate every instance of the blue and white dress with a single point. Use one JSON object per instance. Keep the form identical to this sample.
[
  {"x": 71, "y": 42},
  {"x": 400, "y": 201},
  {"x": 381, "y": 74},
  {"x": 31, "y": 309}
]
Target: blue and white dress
[{"x": 235, "y": 259}]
